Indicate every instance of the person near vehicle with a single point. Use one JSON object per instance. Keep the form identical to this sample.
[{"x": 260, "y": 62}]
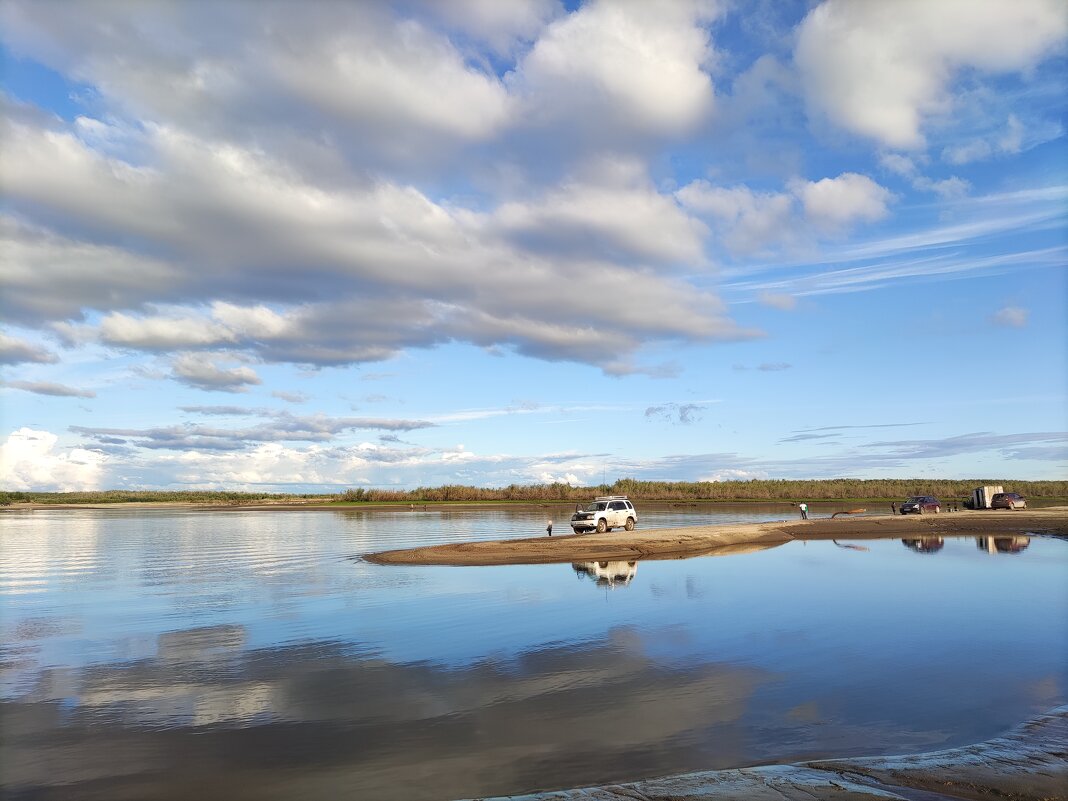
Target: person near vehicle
[
  {"x": 804, "y": 510},
  {"x": 893, "y": 508},
  {"x": 549, "y": 528}
]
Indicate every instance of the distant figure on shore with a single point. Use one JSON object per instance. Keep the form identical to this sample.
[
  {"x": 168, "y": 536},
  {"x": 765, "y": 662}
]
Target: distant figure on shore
[
  {"x": 893, "y": 508},
  {"x": 549, "y": 528},
  {"x": 804, "y": 510}
]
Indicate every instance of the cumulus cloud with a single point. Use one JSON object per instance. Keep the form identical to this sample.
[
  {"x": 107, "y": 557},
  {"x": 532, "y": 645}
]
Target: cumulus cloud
[
  {"x": 620, "y": 217},
  {"x": 30, "y": 460},
  {"x": 907, "y": 167},
  {"x": 755, "y": 223},
  {"x": 17, "y": 351},
  {"x": 392, "y": 83},
  {"x": 622, "y": 67},
  {"x": 383, "y": 266},
  {"x": 882, "y": 69},
  {"x": 499, "y": 23},
  {"x": 1010, "y": 317},
  {"x": 834, "y": 203},
  {"x": 204, "y": 372},
  {"x": 50, "y": 388},
  {"x": 51, "y": 277}
]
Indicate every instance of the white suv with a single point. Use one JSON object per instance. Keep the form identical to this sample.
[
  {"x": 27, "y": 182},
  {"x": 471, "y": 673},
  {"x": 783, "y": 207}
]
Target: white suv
[{"x": 604, "y": 514}]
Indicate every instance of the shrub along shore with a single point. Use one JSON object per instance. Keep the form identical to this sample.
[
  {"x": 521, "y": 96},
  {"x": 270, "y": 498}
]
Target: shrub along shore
[{"x": 838, "y": 489}]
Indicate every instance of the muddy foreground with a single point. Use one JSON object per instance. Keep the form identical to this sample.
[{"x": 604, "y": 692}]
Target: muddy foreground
[{"x": 678, "y": 543}]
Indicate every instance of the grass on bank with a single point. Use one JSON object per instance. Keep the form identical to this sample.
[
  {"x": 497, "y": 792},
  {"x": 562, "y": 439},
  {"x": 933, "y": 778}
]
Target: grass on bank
[{"x": 839, "y": 489}]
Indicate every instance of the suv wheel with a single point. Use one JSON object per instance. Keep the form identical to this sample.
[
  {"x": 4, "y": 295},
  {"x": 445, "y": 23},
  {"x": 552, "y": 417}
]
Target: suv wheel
[
  {"x": 602, "y": 526},
  {"x": 630, "y": 524}
]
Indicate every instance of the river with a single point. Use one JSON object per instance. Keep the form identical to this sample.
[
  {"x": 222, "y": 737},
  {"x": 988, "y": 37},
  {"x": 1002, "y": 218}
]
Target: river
[{"x": 232, "y": 654}]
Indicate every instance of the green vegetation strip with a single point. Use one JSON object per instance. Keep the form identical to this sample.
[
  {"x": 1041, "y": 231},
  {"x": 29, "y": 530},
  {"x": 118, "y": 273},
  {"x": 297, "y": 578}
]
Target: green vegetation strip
[{"x": 838, "y": 489}]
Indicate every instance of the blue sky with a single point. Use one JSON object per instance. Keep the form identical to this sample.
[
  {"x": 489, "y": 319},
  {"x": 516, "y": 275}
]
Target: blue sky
[{"x": 304, "y": 246}]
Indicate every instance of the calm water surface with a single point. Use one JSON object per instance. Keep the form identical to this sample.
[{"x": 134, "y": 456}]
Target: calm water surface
[{"x": 149, "y": 655}]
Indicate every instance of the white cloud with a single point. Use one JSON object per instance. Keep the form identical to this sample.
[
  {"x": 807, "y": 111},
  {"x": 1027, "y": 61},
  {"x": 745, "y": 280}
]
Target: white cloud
[
  {"x": 621, "y": 220},
  {"x": 387, "y": 267},
  {"x": 833, "y": 203},
  {"x": 162, "y": 333},
  {"x": 881, "y": 69},
  {"x": 29, "y": 460},
  {"x": 627, "y": 66},
  {"x": 49, "y": 388},
  {"x": 49, "y": 277},
  {"x": 16, "y": 351},
  {"x": 952, "y": 187},
  {"x": 203, "y": 371},
  {"x": 499, "y": 23},
  {"x": 762, "y": 222},
  {"x": 1008, "y": 141},
  {"x": 391, "y": 80},
  {"x": 754, "y": 222},
  {"x": 1011, "y": 317}
]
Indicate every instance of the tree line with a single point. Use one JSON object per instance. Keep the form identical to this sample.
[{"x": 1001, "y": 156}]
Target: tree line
[{"x": 753, "y": 490}]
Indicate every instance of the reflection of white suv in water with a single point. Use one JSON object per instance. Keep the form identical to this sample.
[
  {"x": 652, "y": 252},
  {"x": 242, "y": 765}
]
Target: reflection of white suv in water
[{"x": 604, "y": 514}]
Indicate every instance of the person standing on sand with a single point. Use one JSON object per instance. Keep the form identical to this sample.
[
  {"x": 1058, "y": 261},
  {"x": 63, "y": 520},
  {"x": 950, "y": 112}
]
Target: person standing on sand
[
  {"x": 549, "y": 528},
  {"x": 893, "y": 508},
  {"x": 804, "y": 510}
]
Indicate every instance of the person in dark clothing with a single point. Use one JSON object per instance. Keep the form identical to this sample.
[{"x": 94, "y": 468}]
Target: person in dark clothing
[
  {"x": 549, "y": 528},
  {"x": 893, "y": 508}
]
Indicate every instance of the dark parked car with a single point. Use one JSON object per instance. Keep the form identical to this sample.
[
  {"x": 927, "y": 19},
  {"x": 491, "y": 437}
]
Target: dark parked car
[
  {"x": 920, "y": 504},
  {"x": 1008, "y": 500}
]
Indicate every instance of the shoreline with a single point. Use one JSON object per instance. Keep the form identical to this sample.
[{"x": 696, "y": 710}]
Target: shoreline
[
  {"x": 679, "y": 543},
  {"x": 1026, "y": 762}
]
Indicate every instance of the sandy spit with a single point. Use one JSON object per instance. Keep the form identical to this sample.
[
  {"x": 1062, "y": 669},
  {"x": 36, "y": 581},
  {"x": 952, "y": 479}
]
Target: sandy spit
[{"x": 677, "y": 543}]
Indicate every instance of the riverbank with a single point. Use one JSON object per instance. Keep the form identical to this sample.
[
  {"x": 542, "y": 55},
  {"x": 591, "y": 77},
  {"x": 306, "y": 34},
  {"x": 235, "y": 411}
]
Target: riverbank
[
  {"x": 675, "y": 543},
  {"x": 1026, "y": 763}
]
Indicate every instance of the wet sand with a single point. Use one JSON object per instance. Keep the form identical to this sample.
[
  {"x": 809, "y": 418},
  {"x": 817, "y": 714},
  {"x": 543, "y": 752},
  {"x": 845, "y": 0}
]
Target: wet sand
[
  {"x": 676, "y": 543},
  {"x": 1027, "y": 763}
]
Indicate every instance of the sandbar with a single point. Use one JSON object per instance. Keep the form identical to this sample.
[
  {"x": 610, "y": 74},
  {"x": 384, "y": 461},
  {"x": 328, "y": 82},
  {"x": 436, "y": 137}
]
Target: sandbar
[{"x": 677, "y": 543}]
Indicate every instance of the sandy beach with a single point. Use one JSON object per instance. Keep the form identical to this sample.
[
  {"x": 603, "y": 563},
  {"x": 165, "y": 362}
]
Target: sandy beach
[{"x": 676, "y": 543}]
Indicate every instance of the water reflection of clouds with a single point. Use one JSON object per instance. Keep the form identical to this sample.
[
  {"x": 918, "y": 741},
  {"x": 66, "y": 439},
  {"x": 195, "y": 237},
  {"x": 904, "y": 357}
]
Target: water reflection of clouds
[
  {"x": 36, "y": 559},
  {"x": 378, "y": 729}
]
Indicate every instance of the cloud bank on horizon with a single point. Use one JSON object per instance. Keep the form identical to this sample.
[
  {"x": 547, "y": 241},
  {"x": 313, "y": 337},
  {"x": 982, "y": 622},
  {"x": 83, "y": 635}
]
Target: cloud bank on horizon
[{"x": 562, "y": 240}]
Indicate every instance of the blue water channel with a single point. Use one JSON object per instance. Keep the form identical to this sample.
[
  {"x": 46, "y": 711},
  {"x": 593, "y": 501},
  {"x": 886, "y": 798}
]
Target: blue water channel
[{"x": 238, "y": 654}]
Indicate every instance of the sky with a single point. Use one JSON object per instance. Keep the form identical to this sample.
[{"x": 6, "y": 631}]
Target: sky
[{"x": 306, "y": 246}]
